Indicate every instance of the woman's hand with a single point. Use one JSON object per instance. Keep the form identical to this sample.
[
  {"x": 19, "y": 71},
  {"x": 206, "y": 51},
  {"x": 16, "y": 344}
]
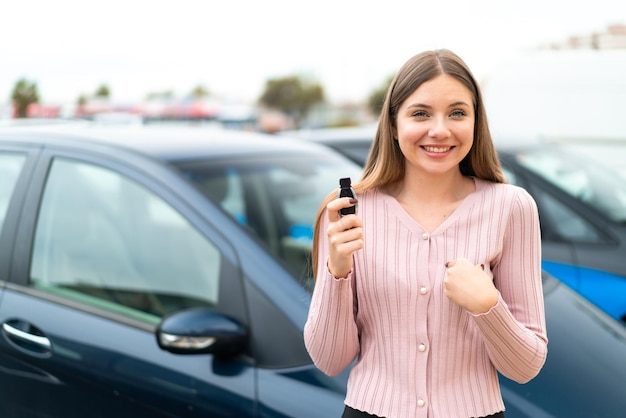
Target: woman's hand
[
  {"x": 469, "y": 286},
  {"x": 345, "y": 236}
]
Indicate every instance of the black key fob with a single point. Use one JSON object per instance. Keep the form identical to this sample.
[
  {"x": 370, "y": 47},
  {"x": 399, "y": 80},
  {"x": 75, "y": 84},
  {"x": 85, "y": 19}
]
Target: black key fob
[{"x": 346, "y": 190}]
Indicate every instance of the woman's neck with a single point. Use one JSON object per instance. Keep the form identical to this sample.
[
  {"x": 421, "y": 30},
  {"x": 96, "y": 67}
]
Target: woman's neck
[
  {"x": 433, "y": 189},
  {"x": 431, "y": 200}
]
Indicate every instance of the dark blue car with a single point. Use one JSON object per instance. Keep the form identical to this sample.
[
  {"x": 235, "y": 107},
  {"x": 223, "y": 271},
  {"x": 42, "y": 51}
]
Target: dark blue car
[{"x": 156, "y": 272}]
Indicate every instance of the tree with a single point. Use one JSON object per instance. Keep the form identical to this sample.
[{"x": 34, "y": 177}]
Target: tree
[
  {"x": 103, "y": 92},
  {"x": 199, "y": 92},
  {"x": 293, "y": 96},
  {"x": 82, "y": 100},
  {"x": 376, "y": 98},
  {"x": 24, "y": 94}
]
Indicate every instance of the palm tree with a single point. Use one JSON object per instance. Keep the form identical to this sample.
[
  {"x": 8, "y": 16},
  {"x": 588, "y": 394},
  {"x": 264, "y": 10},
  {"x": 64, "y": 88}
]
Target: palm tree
[{"x": 24, "y": 94}]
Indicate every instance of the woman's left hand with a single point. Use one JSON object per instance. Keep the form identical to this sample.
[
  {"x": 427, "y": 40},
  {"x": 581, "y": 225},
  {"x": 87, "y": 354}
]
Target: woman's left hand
[{"x": 469, "y": 286}]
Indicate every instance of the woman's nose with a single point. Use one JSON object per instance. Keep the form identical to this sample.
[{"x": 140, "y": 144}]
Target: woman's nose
[{"x": 439, "y": 129}]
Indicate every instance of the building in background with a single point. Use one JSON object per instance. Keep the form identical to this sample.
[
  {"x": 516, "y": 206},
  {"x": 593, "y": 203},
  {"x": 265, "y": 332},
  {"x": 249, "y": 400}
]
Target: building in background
[{"x": 613, "y": 37}]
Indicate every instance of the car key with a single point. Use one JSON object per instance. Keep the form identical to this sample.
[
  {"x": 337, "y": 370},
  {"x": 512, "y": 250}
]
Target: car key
[{"x": 346, "y": 190}]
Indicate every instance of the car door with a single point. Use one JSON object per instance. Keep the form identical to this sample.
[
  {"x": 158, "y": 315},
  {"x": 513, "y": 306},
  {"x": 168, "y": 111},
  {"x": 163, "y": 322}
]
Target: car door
[
  {"x": 97, "y": 252},
  {"x": 579, "y": 248}
]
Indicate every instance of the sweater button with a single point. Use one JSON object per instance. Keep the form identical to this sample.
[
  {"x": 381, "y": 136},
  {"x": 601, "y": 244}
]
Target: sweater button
[
  {"x": 425, "y": 236},
  {"x": 421, "y": 347},
  {"x": 423, "y": 290},
  {"x": 420, "y": 403}
]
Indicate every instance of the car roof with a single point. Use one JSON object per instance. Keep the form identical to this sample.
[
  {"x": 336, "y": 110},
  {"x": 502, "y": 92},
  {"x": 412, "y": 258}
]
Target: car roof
[
  {"x": 344, "y": 134},
  {"x": 169, "y": 143}
]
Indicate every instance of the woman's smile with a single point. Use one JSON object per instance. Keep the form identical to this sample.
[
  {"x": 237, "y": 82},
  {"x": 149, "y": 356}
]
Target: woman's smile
[{"x": 436, "y": 149}]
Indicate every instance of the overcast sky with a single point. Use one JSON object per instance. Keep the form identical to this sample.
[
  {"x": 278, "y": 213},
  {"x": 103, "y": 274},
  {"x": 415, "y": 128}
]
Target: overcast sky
[{"x": 70, "y": 47}]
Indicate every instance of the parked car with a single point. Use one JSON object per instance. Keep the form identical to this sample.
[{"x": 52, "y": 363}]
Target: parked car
[
  {"x": 582, "y": 207},
  {"x": 154, "y": 272}
]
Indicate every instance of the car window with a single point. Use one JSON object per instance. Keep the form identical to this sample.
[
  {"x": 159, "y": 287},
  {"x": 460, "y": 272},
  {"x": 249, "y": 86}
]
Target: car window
[
  {"x": 558, "y": 221},
  {"x": 275, "y": 198},
  {"x": 356, "y": 151},
  {"x": 104, "y": 239},
  {"x": 582, "y": 178},
  {"x": 11, "y": 164},
  {"x": 564, "y": 223}
]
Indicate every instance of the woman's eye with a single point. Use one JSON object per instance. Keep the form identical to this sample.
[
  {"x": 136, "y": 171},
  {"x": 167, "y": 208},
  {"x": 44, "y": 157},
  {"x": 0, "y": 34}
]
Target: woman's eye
[
  {"x": 419, "y": 114},
  {"x": 458, "y": 114}
]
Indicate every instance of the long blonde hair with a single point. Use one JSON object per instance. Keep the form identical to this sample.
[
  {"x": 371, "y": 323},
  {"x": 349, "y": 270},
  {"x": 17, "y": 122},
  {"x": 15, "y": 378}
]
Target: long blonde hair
[{"x": 386, "y": 164}]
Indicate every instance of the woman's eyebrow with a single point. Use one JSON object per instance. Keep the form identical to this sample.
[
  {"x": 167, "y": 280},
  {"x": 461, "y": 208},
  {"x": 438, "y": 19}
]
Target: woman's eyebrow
[
  {"x": 420, "y": 105},
  {"x": 459, "y": 103},
  {"x": 425, "y": 106}
]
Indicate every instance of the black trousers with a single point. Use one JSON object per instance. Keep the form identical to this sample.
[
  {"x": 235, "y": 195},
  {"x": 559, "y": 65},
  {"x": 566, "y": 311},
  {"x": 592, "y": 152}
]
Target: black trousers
[{"x": 354, "y": 413}]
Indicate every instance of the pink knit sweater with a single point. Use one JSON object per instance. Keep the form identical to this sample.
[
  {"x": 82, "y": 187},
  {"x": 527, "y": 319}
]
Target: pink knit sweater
[{"x": 418, "y": 354}]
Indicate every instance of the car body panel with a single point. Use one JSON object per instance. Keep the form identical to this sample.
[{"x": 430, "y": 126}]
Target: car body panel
[
  {"x": 111, "y": 373},
  {"x": 577, "y": 332},
  {"x": 593, "y": 284}
]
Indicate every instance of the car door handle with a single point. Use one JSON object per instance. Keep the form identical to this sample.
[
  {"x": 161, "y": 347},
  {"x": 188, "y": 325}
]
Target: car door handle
[{"x": 22, "y": 336}]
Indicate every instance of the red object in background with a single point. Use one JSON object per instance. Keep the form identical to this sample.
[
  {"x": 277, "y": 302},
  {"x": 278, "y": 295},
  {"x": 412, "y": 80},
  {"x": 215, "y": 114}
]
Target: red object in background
[{"x": 36, "y": 110}]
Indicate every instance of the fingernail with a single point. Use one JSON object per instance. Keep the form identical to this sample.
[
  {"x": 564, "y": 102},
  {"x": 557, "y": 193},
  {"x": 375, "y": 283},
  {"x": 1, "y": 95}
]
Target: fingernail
[{"x": 353, "y": 200}]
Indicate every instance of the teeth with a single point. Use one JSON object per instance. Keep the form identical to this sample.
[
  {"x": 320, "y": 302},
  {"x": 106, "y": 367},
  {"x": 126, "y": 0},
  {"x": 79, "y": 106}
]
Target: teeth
[{"x": 437, "y": 149}]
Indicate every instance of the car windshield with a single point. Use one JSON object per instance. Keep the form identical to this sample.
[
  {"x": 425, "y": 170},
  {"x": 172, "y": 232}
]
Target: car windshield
[
  {"x": 583, "y": 178},
  {"x": 276, "y": 198}
]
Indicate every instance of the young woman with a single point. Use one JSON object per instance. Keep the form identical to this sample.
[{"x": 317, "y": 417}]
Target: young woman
[{"x": 434, "y": 285}]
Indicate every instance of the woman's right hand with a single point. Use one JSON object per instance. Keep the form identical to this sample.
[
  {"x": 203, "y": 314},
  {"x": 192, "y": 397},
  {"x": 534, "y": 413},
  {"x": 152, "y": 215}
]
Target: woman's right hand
[{"x": 345, "y": 236}]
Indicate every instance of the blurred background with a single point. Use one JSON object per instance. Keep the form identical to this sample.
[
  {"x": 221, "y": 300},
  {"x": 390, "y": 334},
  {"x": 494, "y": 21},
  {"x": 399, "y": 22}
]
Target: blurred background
[{"x": 278, "y": 65}]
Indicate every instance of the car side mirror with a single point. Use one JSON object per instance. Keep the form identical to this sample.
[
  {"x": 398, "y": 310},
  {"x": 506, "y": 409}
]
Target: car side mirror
[{"x": 201, "y": 331}]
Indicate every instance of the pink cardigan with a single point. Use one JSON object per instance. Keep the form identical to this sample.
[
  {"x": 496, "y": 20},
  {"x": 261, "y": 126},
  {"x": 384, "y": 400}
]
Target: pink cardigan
[{"x": 418, "y": 354}]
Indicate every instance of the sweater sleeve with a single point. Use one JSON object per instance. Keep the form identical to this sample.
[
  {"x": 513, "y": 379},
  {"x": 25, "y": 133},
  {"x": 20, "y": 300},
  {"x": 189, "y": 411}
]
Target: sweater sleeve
[
  {"x": 514, "y": 329},
  {"x": 330, "y": 333}
]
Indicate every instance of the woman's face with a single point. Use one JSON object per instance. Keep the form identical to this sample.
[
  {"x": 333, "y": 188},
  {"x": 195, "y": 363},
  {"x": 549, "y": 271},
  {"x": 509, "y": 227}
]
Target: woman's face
[{"x": 435, "y": 126}]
